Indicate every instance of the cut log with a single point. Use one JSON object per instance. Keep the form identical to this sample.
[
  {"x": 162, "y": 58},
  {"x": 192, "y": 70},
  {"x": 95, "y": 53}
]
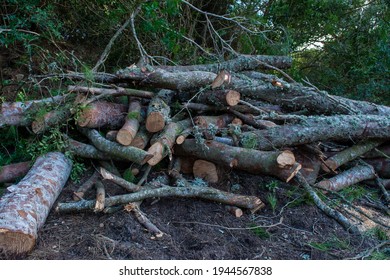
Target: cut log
[
  {"x": 206, "y": 170},
  {"x": 163, "y": 143},
  {"x": 280, "y": 164},
  {"x": 114, "y": 149},
  {"x": 221, "y": 121},
  {"x": 157, "y": 115},
  {"x": 349, "y": 154},
  {"x": 237, "y": 212},
  {"x": 84, "y": 150},
  {"x": 127, "y": 133},
  {"x": 183, "y": 135},
  {"x": 11, "y": 172},
  {"x": 343, "y": 127},
  {"x": 381, "y": 166},
  {"x": 219, "y": 98},
  {"x": 101, "y": 113},
  {"x": 24, "y": 209},
  {"x": 141, "y": 139},
  {"x": 348, "y": 178}
]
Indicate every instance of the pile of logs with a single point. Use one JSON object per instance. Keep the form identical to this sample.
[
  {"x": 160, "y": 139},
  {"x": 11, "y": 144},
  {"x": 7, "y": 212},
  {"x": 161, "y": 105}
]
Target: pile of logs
[{"x": 199, "y": 119}]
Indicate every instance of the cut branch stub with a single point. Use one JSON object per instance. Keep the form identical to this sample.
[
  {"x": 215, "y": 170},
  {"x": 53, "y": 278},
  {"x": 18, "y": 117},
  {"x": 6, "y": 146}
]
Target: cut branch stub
[
  {"x": 24, "y": 209},
  {"x": 219, "y": 97},
  {"x": 127, "y": 133},
  {"x": 157, "y": 115}
]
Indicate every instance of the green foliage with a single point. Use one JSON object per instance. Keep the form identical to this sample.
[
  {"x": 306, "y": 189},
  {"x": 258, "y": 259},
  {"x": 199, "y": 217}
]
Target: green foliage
[
  {"x": 377, "y": 233},
  {"x": 133, "y": 115},
  {"x": 129, "y": 176},
  {"x": 259, "y": 231},
  {"x": 272, "y": 201},
  {"x": 249, "y": 141},
  {"x": 78, "y": 169},
  {"x": 333, "y": 243}
]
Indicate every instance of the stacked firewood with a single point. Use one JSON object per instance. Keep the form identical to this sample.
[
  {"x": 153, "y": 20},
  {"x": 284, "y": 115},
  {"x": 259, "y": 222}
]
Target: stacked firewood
[{"x": 199, "y": 119}]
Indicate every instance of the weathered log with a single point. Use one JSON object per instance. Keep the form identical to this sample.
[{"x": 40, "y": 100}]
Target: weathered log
[
  {"x": 310, "y": 162},
  {"x": 242, "y": 62},
  {"x": 157, "y": 115},
  {"x": 128, "y": 131},
  {"x": 50, "y": 119},
  {"x": 24, "y": 209},
  {"x": 381, "y": 166},
  {"x": 20, "y": 113},
  {"x": 11, "y": 172},
  {"x": 128, "y": 186},
  {"x": 219, "y": 98},
  {"x": 250, "y": 120},
  {"x": 163, "y": 143},
  {"x": 206, "y": 170},
  {"x": 141, "y": 139},
  {"x": 248, "y": 202},
  {"x": 102, "y": 113},
  {"x": 349, "y": 154},
  {"x": 312, "y": 129},
  {"x": 100, "y": 197},
  {"x": 83, "y": 188},
  {"x": 348, "y": 178},
  {"x": 84, "y": 150},
  {"x": 183, "y": 135},
  {"x": 111, "y": 92},
  {"x": 276, "y": 163},
  {"x": 114, "y": 149}
]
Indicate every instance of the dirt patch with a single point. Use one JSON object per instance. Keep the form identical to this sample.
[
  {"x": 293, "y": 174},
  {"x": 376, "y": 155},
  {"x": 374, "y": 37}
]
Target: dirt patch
[{"x": 197, "y": 229}]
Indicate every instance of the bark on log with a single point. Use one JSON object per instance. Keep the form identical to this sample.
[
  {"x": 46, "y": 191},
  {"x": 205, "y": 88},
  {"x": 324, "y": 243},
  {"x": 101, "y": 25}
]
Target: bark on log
[
  {"x": 50, "y": 119},
  {"x": 79, "y": 194},
  {"x": 84, "y": 150},
  {"x": 109, "y": 92},
  {"x": 111, "y": 135},
  {"x": 206, "y": 170},
  {"x": 311, "y": 164},
  {"x": 348, "y": 178},
  {"x": 128, "y": 186},
  {"x": 349, "y": 154},
  {"x": 157, "y": 115},
  {"x": 382, "y": 151},
  {"x": 279, "y": 163},
  {"x": 24, "y": 209},
  {"x": 220, "y": 98},
  {"x": 127, "y": 133},
  {"x": 248, "y": 202},
  {"x": 102, "y": 113},
  {"x": 141, "y": 139},
  {"x": 237, "y": 212},
  {"x": 11, "y": 172},
  {"x": 114, "y": 149},
  {"x": 343, "y": 127},
  {"x": 381, "y": 166}
]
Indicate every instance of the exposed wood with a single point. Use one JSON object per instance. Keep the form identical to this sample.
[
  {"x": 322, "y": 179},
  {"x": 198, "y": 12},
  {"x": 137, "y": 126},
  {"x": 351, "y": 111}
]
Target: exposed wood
[
  {"x": 237, "y": 212},
  {"x": 278, "y": 163},
  {"x": 130, "y": 187},
  {"x": 221, "y": 121},
  {"x": 111, "y": 135},
  {"x": 348, "y": 178},
  {"x": 26, "y": 205},
  {"x": 157, "y": 115},
  {"x": 206, "y": 170},
  {"x": 11, "y": 172},
  {"x": 87, "y": 185},
  {"x": 349, "y": 154},
  {"x": 183, "y": 135},
  {"x": 381, "y": 166},
  {"x": 141, "y": 139},
  {"x": 56, "y": 117},
  {"x": 100, "y": 197},
  {"x": 248, "y": 202},
  {"x": 102, "y": 113},
  {"x": 128, "y": 131},
  {"x": 114, "y": 149},
  {"x": 219, "y": 98}
]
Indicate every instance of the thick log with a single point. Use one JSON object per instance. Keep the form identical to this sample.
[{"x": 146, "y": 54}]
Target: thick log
[
  {"x": 348, "y": 178},
  {"x": 157, "y": 115},
  {"x": 114, "y": 149},
  {"x": 111, "y": 92},
  {"x": 349, "y": 154},
  {"x": 141, "y": 139},
  {"x": 219, "y": 98},
  {"x": 11, "y": 172},
  {"x": 101, "y": 113},
  {"x": 24, "y": 209},
  {"x": 248, "y": 202},
  {"x": 242, "y": 62},
  {"x": 163, "y": 143},
  {"x": 312, "y": 129},
  {"x": 84, "y": 150},
  {"x": 128, "y": 131},
  {"x": 19, "y": 113},
  {"x": 206, "y": 170},
  {"x": 280, "y": 164},
  {"x": 381, "y": 166},
  {"x": 50, "y": 119}
]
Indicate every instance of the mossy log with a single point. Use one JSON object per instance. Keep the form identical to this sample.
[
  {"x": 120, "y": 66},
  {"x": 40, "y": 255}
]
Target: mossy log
[
  {"x": 114, "y": 149},
  {"x": 128, "y": 131},
  {"x": 349, "y": 154},
  {"x": 280, "y": 164},
  {"x": 50, "y": 119},
  {"x": 101, "y": 113},
  {"x": 26, "y": 205},
  {"x": 313, "y": 129},
  {"x": 348, "y": 178},
  {"x": 11, "y": 172}
]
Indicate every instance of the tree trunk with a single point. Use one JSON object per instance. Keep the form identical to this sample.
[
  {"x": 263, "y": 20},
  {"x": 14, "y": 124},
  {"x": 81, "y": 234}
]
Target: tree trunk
[
  {"x": 278, "y": 164},
  {"x": 9, "y": 173},
  {"x": 102, "y": 113},
  {"x": 24, "y": 209}
]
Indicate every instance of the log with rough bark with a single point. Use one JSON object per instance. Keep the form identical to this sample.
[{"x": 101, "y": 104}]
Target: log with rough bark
[
  {"x": 157, "y": 115},
  {"x": 11, "y": 172},
  {"x": 310, "y": 162},
  {"x": 84, "y": 150},
  {"x": 349, "y": 154},
  {"x": 114, "y": 149},
  {"x": 163, "y": 143},
  {"x": 128, "y": 131},
  {"x": 50, "y": 119},
  {"x": 313, "y": 129},
  {"x": 111, "y": 92},
  {"x": 280, "y": 164},
  {"x": 206, "y": 170},
  {"x": 348, "y": 178},
  {"x": 219, "y": 98},
  {"x": 381, "y": 166},
  {"x": 237, "y": 212},
  {"x": 248, "y": 202},
  {"x": 26, "y": 205},
  {"x": 141, "y": 139},
  {"x": 102, "y": 113}
]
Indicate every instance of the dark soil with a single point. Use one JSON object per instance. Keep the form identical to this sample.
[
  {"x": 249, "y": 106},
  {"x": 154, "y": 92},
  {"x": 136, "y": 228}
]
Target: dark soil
[{"x": 197, "y": 229}]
